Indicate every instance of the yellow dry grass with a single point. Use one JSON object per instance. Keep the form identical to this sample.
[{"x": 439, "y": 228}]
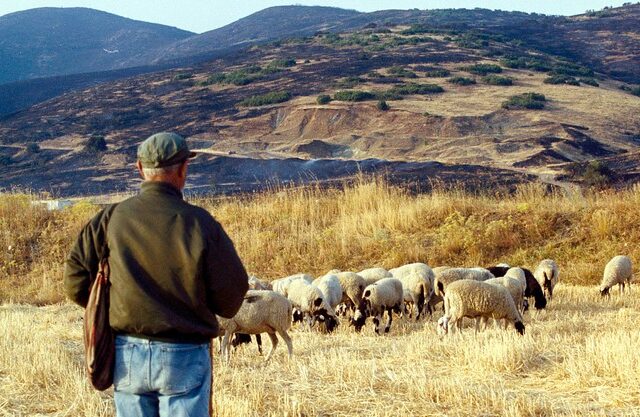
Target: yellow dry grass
[{"x": 578, "y": 358}]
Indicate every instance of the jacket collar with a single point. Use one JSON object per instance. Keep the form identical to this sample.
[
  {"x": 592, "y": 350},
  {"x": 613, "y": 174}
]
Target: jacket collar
[{"x": 160, "y": 187}]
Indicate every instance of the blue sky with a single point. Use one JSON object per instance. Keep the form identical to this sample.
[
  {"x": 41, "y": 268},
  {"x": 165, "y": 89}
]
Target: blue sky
[{"x": 203, "y": 15}]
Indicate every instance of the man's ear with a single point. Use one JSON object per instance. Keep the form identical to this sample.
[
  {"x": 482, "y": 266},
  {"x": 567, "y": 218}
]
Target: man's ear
[
  {"x": 139, "y": 166},
  {"x": 183, "y": 169}
]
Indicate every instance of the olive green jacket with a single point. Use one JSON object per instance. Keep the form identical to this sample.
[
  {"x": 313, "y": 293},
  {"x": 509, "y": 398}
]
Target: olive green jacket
[{"x": 173, "y": 267}]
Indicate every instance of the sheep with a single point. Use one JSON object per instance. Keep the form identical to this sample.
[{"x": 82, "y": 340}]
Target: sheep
[
  {"x": 617, "y": 271},
  {"x": 417, "y": 283},
  {"x": 383, "y": 295},
  {"x": 532, "y": 287},
  {"x": 445, "y": 276},
  {"x": 310, "y": 301},
  {"x": 547, "y": 274},
  {"x": 262, "y": 311},
  {"x": 480, "y": 300},
  {"x": 372, "y": 275},
  {"x": 331, "y": 289},
  {"x": 352, "y": 288},
  {"x": 257, "y": 284},
  {"x": 515, "y": 289},
  {"x": 281, "y": 285}
]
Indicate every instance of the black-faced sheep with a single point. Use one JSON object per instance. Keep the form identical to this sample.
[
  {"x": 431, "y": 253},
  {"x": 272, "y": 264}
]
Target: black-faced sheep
[
  {"x": 547, "y": 274},
  {"x": 383, "y": 295}
]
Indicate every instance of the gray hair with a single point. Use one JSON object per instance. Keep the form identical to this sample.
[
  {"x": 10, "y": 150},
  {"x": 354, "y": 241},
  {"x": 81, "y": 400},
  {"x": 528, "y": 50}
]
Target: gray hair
[{"x": 156, "y": 172}]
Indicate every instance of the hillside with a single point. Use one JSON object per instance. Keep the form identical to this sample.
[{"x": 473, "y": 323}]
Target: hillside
[
  {"x": 255, "y": 115},
  {"x": 46, "y": 42}
]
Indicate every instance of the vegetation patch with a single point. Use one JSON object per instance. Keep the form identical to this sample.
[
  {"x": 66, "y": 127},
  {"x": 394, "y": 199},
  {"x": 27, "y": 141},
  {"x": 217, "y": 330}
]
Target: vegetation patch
[
  {"x": 561, "y": 79},
  {"x": 95, "y": 144},
  {"x": 349, "y": 82},
  {"x": 354, "y": 95},
  {"x": 182, "y": 76},
  {"x": 594, "y": 173},
  {"x": 497, "y": 80},
  {"x": 401, "y": 72},
  {"x": 265, "y": 99},
  {"x": 483, "y": 69},
  {"x": 382, "y": 105},
  {"x": 249, "y": 74},
  {"x": 527, "y": 62},
  {"x": 531, "y": 101},
  {"x": 433, "y": 72},
  {"x": 413, "y": 88},
  {"x": 461, "y": 80},
  {"x": 323, "y": 99}
]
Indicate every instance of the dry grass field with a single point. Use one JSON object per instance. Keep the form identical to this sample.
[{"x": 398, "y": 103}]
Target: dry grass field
[{"x": 578, "y": 358}]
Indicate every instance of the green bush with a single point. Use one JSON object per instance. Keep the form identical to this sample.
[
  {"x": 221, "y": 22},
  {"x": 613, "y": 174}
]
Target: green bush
[
  {"x": 561, "y": 79},
  {"x": 526, "y": 62},
  {"x": 95, "y": 144},
  {"x": 401, "y": 72},
  {"x": 461, "y": 80},
  {"x": 573, "y": 70},
  {"x": 532, "y": 101},
  {"x": 349, "y": 82},
  {"x": 437, "y": 73},
  {"x": 412, "y": 88},
  {"x": 483, "y": 69},
  {"x": 182, "y": 76},
  {"x": 382, "y": 105},
  {"x": 593, "y": 173},
  {"x": 497, "y": 80},
  {"x": 323, "y": 99},
  {"x": 589, "y": 81},
  {"x": 353, "y": 95},
  {"x": 265, "y": 99},
  {"x": 282, "y": 63}
]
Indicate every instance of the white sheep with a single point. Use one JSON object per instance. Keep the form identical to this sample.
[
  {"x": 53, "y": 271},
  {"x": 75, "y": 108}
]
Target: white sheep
[
  {"x": 515, "y": 289},
  {"x": 261, "y": 312},
  {"x": 372, "y": 275},
  {"x": 281, "y": 285},
  {"x": 352, "y": 288},
  {"x": 331, "y": 289},
  {"x": 547, "y": 274},
  {"x": 618, "y": 271},
  {"x": 256, "y": 283},
  {"x": 309, "y": 301},
  {"x": 417, "y": 283},
  {"x": 445, "y": 276},
  {"x": 479, "y": 300},
  {"x": 383, "y": 295}
]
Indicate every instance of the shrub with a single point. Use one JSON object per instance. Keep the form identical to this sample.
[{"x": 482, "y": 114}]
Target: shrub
[
  {"x": 349, "y": 82},
  {"x": 526, "y": 62},
  {"x": 635, "y": 91},
  {"x": 33, "y": 148},
  {"x": 282, "y": 63},
  {"x": 265, "y": 99},
  {"x": 497, "y": 80},
  {"x": 533, "y": 101},
  {"x": 589, "y": 81},
  {"x": 323, "y": 99},
  {"x": 182, "y": 76},
  {"x": 573, "y": 70},
  {"x": 483, "y": 69},
  {"x": 401, "y": 72},
  {"x": 593, "y": 174},
  {"x": 95, "y": 144},
  {"x": 461, "y": 80},
  {"x": 413, "y": 88},
  {"x": 353, "y": 95},
  {"x": 382, "y": 105},
  {"x": 561, "y": 79},
  {"x": 437, "y": 73}
]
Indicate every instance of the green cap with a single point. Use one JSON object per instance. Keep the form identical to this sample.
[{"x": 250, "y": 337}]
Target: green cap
[{"x": 163, "y": 149}]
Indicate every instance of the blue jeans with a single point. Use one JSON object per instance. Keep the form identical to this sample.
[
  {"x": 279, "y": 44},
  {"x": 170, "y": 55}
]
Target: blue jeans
[{"x": 153, "y": 379}]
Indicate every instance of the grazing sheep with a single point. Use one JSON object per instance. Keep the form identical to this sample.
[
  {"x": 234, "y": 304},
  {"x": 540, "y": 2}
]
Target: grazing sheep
[
  {"x": 417, "y": 283},
  {"x": 383, "y": 295},
  {"x": 445, "y": 276},
  {"x": 281, "y": 285},
  {"x": 352, "y": 288},
  {"x": 532, "y": 288},
  {"x": 310, "y": 301},
  {"x": 261, "y": 312},
  {"x": 331, "y": 289},
  {"x": 515, "y": 289},
  {"x": 618, "y": 271},
  {"x": 257, "y": 284},
  {"x": 547, "y": 274},
  {"x": 479, "y": 300},
  {"x": 372, "y": 275}
]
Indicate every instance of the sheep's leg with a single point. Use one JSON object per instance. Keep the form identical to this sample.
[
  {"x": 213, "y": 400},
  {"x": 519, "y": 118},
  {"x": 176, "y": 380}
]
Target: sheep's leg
[
  {"x": 389, "y": 320},
  {"x": 274, "y": 343},
  {"x": 376, "y": 322},
  {"x": 283, "y": 334},
  {"x": 259, "y": 343},
  {"x": 225, "y": 345}
]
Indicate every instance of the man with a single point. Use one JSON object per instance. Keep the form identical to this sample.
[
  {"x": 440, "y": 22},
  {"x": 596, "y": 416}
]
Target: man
[{"x": 173, "y": 268}]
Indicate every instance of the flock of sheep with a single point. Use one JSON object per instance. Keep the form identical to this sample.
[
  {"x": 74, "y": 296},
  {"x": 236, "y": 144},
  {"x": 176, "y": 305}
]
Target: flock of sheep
[{"x": 499, "y": 292}]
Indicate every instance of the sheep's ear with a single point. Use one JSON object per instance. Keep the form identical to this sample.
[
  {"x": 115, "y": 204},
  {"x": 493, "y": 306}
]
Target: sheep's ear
[
  {"x": 367, "y": 293},
  {"x": 317, "y": 302}
]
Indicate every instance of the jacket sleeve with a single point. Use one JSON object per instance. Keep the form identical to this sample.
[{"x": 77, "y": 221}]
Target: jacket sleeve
[
  {"x": 81, "y": 265},
  {"x": 227, "y": 278}
]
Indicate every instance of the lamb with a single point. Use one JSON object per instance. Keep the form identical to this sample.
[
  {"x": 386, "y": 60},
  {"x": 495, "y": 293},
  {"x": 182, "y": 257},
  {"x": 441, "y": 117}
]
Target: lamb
[
  {"x": 417, "y": 283},
  {"x": 262, "y": 311},
  {"x": 384, "y": 295},
  {"x": 281, "y": 285},
  {"x": 617, "y": 271},
  {"x": 480, "y": 300},
  {"x": 310, "y": 301},
  {"x": 372, "y": 275},
  {"x": 532, "y": 287},
  {"x": 547, "y": 274}
]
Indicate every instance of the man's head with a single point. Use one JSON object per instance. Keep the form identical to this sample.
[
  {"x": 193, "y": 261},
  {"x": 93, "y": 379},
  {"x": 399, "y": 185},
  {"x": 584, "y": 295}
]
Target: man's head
[{"x": 163, "y": 157}]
